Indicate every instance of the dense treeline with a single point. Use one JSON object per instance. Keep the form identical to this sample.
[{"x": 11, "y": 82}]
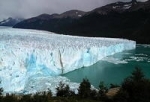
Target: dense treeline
[{"x": 135, "y": 88}]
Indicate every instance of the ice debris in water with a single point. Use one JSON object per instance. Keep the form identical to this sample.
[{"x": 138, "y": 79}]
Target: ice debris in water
[{"x": 31, "y": 60}]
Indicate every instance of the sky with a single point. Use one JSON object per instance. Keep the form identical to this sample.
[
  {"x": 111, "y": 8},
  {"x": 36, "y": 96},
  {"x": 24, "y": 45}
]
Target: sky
[{"x": 31, "y": 8}]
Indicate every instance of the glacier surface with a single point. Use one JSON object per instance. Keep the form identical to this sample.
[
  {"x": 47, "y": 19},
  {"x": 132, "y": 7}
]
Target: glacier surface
[{"x": 31, "y": 60}]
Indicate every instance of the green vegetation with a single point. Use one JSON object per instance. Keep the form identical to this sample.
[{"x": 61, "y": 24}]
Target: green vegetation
[
  {"x": 64, "y": 90},
  {"x": 134, "y": 24},
  {"x": 135, "y": 88},
  {"x": 85, "y": 89},
  {"x": 102, "y": 91}
]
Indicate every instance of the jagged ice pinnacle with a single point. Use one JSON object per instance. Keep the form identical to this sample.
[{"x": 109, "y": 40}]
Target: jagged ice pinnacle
[{"x": 31, "y": 57}]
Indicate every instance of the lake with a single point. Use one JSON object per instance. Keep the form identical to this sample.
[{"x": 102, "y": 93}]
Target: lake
[
  {"x": 115, "y": 68},
  {"x": 28, "y": 73}
]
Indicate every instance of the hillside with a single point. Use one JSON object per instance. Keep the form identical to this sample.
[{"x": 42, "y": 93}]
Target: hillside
[
  {"x": 10, "y": 21},
  {"x": 129, "y": 20}
]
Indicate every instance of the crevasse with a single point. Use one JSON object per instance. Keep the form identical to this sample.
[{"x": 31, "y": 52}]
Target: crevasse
[{"x": 27, "y": 54}]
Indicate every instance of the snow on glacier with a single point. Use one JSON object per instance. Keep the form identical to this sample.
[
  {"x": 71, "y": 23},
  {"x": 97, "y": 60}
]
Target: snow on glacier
[{"x": 31, "y": 57}]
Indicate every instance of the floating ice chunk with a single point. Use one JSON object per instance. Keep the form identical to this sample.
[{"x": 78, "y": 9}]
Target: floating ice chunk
[
  {"x": 114, "y": 60},
  {"x": 25, "y": 54}
]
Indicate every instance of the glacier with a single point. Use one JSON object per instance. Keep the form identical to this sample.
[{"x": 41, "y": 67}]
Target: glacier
[{"x": 32, "y": 60}]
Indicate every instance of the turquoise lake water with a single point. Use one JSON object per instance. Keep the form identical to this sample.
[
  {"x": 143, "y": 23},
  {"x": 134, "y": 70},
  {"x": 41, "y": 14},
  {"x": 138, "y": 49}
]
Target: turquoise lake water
[{"x": 113, "y": 69}]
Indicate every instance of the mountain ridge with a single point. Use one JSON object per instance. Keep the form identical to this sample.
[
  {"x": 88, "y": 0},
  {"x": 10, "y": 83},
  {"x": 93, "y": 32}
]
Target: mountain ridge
[
  {"x": 130, "y": 20},
  {"x": 10, "y": 21}
]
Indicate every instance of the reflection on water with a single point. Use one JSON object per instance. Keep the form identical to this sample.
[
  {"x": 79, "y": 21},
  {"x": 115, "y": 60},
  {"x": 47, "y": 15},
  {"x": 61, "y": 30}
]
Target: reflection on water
[{"x": 114, "y": 69}]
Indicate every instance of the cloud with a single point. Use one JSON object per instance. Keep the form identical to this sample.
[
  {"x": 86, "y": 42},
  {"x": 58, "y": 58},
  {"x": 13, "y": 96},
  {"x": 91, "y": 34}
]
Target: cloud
[{"x": 30, "y": 8}]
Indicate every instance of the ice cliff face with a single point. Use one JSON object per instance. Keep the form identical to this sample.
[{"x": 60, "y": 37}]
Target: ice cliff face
[{"x": 26, "y": 55}]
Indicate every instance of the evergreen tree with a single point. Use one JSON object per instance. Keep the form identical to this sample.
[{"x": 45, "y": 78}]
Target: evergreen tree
[
  {"x": 64, "y": 90},
  {"x": 84, "y": 88},
  {"x": 1, "y": 90},
  {"x": 135, "y": 88},
  {"x": 102, "y": 89}
]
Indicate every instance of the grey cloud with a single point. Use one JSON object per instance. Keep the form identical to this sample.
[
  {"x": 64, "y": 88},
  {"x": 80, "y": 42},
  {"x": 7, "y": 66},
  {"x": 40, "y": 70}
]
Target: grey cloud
[{"x": 30, "y": 8}]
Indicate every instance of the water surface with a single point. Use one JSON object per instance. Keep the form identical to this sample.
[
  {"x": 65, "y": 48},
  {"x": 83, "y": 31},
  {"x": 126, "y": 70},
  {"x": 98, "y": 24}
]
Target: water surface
[{"x": 114, "y": 69}]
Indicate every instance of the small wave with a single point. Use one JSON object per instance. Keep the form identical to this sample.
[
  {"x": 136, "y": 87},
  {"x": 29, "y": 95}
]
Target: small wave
[
  {"x": 138, "y": 59},
  {"x": 141, "y": 54},
  {"x": 126, "y": 53},
  {"x": 114, "y": 60},
  {"x": 146, "y": 45}
]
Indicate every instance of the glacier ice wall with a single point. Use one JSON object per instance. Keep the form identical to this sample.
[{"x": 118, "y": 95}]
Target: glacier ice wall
[{"x": 26, "y": 54}]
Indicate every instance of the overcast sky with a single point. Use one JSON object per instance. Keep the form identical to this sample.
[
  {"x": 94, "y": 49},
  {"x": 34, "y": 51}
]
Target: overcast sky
[{"x": 30, "y": 8}]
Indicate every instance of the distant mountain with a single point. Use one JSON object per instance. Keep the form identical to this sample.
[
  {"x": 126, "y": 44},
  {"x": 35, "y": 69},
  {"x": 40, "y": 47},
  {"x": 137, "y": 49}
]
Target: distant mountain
[
  {"x": 74, "y": 14},
  {"x": 129, "y": 20},
  {"x": 10, "y": 21},
  {"x": 51, "y": 22}
]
